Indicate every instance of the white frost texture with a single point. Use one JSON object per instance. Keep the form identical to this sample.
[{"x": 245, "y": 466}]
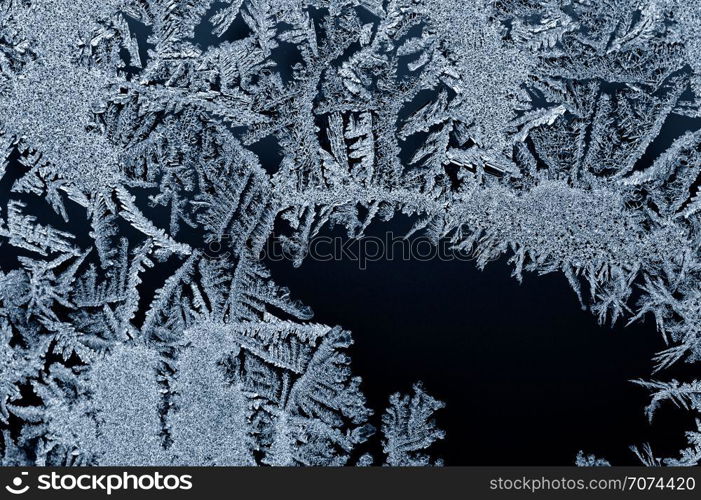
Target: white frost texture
[{"x": 536, "y": 129}]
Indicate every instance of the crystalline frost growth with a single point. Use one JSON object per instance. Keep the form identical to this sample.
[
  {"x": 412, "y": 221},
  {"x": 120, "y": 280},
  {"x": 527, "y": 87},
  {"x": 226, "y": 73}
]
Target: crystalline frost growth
[{"x": 131, "y": 130}]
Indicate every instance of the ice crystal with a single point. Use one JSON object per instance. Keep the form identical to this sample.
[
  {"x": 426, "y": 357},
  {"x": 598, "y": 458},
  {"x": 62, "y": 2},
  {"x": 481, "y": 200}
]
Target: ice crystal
[{"x": 533, "y": 129}]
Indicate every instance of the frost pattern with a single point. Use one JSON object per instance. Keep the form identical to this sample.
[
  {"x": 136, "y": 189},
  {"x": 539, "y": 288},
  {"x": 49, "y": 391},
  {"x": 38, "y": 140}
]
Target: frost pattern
[{"x": 545, "y": 130}]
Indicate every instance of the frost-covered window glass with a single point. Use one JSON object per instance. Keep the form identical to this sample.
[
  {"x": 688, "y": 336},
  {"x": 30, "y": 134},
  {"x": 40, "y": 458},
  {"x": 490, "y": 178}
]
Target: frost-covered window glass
[{"x": 137, "y": 135}]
